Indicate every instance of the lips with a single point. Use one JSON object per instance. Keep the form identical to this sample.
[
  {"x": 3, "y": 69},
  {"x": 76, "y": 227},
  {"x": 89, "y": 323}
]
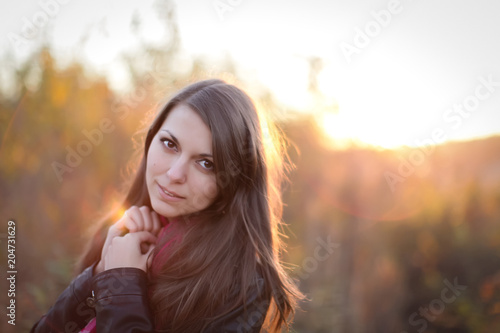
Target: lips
[{"x": 170, "y": 193}]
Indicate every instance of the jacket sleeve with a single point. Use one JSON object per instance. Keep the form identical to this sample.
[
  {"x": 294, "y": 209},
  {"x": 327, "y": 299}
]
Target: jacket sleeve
[
  {"x": 71, "y": 311},
  {"x": 121, "y": 301}
]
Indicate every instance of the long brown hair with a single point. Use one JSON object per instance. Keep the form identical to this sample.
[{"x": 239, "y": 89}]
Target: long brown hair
[{"x": 235, "y": 241}]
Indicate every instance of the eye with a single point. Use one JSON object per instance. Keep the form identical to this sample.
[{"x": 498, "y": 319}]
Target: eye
[
  {"x": 169, "y": 144},
  {"x": 207, "y": 165}
]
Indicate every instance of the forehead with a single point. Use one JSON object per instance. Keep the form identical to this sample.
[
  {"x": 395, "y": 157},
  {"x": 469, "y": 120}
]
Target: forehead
[{"x": 188, "y": 128}]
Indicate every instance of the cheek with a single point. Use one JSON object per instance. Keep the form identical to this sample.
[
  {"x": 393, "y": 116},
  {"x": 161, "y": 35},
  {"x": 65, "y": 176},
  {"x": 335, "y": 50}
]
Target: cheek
[
  {"x": 211, "y": 190},
  {"x": 153, "y": 165},
  {"x": 150, "y": 164},
  {"x": 204, "y": 190}
]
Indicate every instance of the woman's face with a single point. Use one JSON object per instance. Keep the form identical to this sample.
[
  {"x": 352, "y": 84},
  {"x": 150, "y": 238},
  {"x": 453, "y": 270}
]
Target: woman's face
[{"x": 180, "y": 172}]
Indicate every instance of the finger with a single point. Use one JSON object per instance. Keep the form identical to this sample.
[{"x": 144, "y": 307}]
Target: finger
[
  {"x": 135, "y": 220},
  {"x": 143, "y": 236},
  {"x": 156, "y": 222},
  {"x": 124, "y": 224},
  {"x": 130, "y": 224},
  {"x": 133, "y": 240},
  {"x": 126, "y": 251},
  {"x": 146, "y": 217},
  {"x": 145, "y": 247},
  {"x": 143, "y": 239},
  {"x": 118, "y": 228},
  {"x": 115, "y": 230},
  {"x": 137, "y": 239}
]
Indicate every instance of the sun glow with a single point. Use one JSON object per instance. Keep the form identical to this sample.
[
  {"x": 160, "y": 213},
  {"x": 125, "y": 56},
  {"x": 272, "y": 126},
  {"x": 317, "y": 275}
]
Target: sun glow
[
  {"x": 387, "y": 96},
  {"x": 373, "y": 105},
  {"x": 336, "y": 128}
]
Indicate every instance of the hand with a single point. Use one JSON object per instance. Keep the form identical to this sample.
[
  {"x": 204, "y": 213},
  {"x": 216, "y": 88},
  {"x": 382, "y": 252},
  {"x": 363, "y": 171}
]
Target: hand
[
  {"x": 125, "y": 251},
  {"x": 135, "y": 219}
]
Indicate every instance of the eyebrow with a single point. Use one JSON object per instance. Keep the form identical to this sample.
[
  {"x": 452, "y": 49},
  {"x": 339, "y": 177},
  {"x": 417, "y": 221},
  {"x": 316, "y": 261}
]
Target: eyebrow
[{"x": 177, "y": 142}]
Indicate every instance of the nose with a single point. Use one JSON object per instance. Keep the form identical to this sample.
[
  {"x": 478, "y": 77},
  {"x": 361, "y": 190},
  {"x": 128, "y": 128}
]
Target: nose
[{"x": 178, "y": 171}]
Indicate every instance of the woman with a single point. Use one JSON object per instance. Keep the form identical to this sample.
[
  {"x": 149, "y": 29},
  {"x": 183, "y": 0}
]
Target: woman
[{"x": 198, "y": 247}]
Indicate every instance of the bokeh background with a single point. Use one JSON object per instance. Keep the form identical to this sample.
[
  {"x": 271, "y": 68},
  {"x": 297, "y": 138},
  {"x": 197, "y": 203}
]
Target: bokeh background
[{"x": 391, "y": 109}]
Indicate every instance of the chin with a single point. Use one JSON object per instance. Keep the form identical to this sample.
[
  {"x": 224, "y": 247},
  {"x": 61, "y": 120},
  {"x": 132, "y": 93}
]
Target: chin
[{"x": 163, "y": 209}]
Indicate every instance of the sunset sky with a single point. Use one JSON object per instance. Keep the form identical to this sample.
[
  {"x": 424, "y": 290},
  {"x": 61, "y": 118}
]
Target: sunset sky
[{"x": 393, "y": 72}]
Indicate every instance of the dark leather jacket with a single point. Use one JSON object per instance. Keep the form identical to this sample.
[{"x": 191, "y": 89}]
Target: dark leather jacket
[{"x": 118, "y": 299}]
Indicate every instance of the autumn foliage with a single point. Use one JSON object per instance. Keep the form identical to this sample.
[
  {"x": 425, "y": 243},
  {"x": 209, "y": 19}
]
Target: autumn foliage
[{"x": 371, "y": 253}]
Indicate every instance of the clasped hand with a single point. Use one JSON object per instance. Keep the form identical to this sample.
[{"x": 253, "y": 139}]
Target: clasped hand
[{"x": 131, "y": 240}]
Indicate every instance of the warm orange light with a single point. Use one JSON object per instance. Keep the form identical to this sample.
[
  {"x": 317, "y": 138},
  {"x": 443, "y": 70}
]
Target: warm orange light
[{"x": 337, "y": 129}]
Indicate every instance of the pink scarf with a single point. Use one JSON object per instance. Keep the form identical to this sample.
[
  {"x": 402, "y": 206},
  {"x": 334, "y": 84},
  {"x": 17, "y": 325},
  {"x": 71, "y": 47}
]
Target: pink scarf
[{"x": 90, "y": 328}]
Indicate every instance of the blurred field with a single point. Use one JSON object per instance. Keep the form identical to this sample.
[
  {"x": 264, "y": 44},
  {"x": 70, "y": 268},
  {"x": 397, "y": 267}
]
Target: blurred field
[
  {"x": 396, "y": 249},
  {"x": 372, "y": 254}
]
